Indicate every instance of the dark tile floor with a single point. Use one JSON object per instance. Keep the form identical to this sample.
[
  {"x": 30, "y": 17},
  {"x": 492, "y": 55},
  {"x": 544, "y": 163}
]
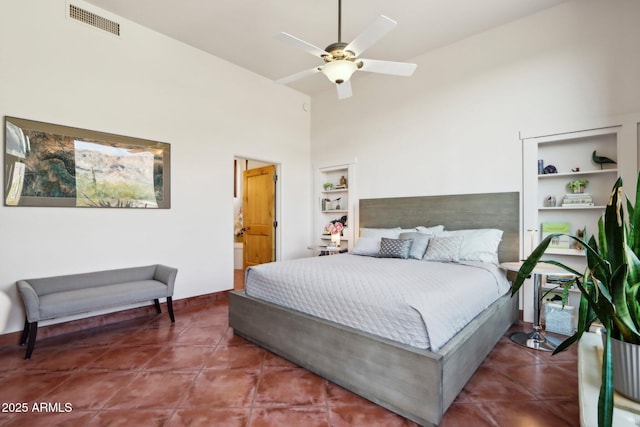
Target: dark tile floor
[{"x": 149, "y": 372}]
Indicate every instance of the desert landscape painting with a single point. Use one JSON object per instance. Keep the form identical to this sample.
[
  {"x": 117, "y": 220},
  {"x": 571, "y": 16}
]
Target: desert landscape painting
[{"x": 50, "y": 165}]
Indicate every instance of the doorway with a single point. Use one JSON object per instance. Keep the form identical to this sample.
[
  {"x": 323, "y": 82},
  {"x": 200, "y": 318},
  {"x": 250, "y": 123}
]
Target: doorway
[{"x": 255, "y": 224}]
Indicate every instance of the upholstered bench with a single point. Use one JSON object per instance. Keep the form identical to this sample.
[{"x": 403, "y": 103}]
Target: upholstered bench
[{"x": 59, "y": 296}]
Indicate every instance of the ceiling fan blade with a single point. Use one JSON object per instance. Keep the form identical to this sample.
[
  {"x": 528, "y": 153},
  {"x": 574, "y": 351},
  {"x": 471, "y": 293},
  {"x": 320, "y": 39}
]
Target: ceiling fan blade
[
  {"x": 297, "y": 76},
  {"x": 374, "y": 32},
  {"x": 344, "y": 90},
  {"x": 388, "y": 67},
  {"x": 301, "y": 44}
]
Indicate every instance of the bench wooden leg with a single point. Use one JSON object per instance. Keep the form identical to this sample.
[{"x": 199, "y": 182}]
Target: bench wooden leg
[
  {"x": 25, "y": 333},
  {"x": 33, "y": 332},
  {"x": 157, "y": 303},
  {"x": 170, "y": 308}
]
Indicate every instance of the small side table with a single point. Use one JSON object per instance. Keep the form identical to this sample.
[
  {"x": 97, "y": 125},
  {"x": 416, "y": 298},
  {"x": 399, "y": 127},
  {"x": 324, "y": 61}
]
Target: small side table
[
  {"x": 328, "y": 250},
  {"x": 536, "y": 339}
]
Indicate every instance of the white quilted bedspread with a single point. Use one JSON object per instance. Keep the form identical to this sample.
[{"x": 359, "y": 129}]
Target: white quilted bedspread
[{"x": 419, "y": 303}]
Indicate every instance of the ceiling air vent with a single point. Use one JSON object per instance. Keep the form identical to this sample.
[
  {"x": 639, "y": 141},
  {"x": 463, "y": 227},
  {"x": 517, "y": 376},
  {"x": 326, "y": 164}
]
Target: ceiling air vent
[{"x": 94, "y": 20}]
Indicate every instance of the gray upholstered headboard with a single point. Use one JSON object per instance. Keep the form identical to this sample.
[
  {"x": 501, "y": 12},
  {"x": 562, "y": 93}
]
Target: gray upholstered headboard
[{"x": 455, "y": 212}]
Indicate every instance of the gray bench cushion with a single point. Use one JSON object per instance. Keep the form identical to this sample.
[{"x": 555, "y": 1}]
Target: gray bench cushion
[
  {"x": 50, "y": 285},
  {"x": 88, "y": 299}
]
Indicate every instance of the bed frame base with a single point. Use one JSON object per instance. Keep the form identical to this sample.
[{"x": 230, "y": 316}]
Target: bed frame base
[{"x": 417, "y": 384}]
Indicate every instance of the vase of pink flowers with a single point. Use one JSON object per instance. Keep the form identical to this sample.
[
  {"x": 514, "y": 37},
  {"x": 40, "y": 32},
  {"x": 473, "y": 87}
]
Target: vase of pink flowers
[{"x": 335, "y": 229}]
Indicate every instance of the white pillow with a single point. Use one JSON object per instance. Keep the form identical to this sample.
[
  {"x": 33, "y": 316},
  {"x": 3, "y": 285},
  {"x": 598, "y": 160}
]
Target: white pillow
[
  {"x": 368, "y": 246},
  {"x": 407, "y": 230},
  {"x": 443, "y": 249},
  {"x": 433, "y": 231},
  {"x": 479, "y": 244},
  {"x": 389, "y": 233}
]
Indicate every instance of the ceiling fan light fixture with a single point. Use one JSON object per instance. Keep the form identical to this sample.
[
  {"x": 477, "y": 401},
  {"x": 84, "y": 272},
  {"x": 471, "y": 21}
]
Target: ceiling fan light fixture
[{"x": 339, "y": 71}]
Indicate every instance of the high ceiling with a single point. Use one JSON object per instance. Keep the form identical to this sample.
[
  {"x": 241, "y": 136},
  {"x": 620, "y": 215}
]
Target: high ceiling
[{"x": 241, "y": 31}]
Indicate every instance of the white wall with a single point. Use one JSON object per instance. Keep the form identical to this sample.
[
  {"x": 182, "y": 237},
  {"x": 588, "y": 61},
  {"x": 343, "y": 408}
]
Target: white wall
[
  {"x": 145, "y": 85},
  {"x": 453, "y": 126}
]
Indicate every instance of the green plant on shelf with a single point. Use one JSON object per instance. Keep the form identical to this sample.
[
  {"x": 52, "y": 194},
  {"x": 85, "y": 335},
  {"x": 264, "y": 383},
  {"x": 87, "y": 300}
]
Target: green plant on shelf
[{"x": 577, "y": 185}]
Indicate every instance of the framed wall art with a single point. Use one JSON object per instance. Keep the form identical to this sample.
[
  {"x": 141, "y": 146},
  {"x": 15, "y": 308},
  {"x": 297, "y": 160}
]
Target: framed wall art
[{"x": 53, "y": 165}]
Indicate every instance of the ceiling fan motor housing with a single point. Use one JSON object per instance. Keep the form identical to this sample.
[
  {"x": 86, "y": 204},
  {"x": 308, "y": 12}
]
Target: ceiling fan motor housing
[{"x": 337, "y": 52}]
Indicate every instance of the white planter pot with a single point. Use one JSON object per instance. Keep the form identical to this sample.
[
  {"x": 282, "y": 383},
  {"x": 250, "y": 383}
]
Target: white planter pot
[{"x": 626, "y": 368}]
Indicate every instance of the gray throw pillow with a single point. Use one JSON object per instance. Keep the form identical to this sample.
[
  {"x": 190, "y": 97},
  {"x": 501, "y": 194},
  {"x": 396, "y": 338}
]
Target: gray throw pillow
[
  {"x": 419, "y": 245},
  {"x": 394, "y": 248}
]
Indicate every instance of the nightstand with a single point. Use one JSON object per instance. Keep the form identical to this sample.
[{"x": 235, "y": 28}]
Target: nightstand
[
  {"x": 536, "y": 339},
  {"x": 328, "y": 250}
]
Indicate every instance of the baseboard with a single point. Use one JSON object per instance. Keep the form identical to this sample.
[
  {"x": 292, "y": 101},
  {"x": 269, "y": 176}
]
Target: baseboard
[{"x": 114, "y": 317}]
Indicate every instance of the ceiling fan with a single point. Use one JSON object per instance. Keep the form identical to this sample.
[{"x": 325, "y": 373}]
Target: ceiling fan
[{"x": 341, "y": 59}]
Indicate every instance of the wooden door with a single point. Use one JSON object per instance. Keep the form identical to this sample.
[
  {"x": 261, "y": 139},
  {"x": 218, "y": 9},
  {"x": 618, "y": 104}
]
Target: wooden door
[{"x": 258, "y": 207}]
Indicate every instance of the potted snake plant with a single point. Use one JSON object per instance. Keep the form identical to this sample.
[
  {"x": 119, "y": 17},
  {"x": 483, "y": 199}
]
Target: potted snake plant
[{"x": 609, "y": 290}]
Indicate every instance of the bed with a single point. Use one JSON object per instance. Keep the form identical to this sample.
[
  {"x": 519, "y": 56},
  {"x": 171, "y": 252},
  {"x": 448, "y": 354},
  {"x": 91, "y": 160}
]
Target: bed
[{"x": 417, "y": 383}]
